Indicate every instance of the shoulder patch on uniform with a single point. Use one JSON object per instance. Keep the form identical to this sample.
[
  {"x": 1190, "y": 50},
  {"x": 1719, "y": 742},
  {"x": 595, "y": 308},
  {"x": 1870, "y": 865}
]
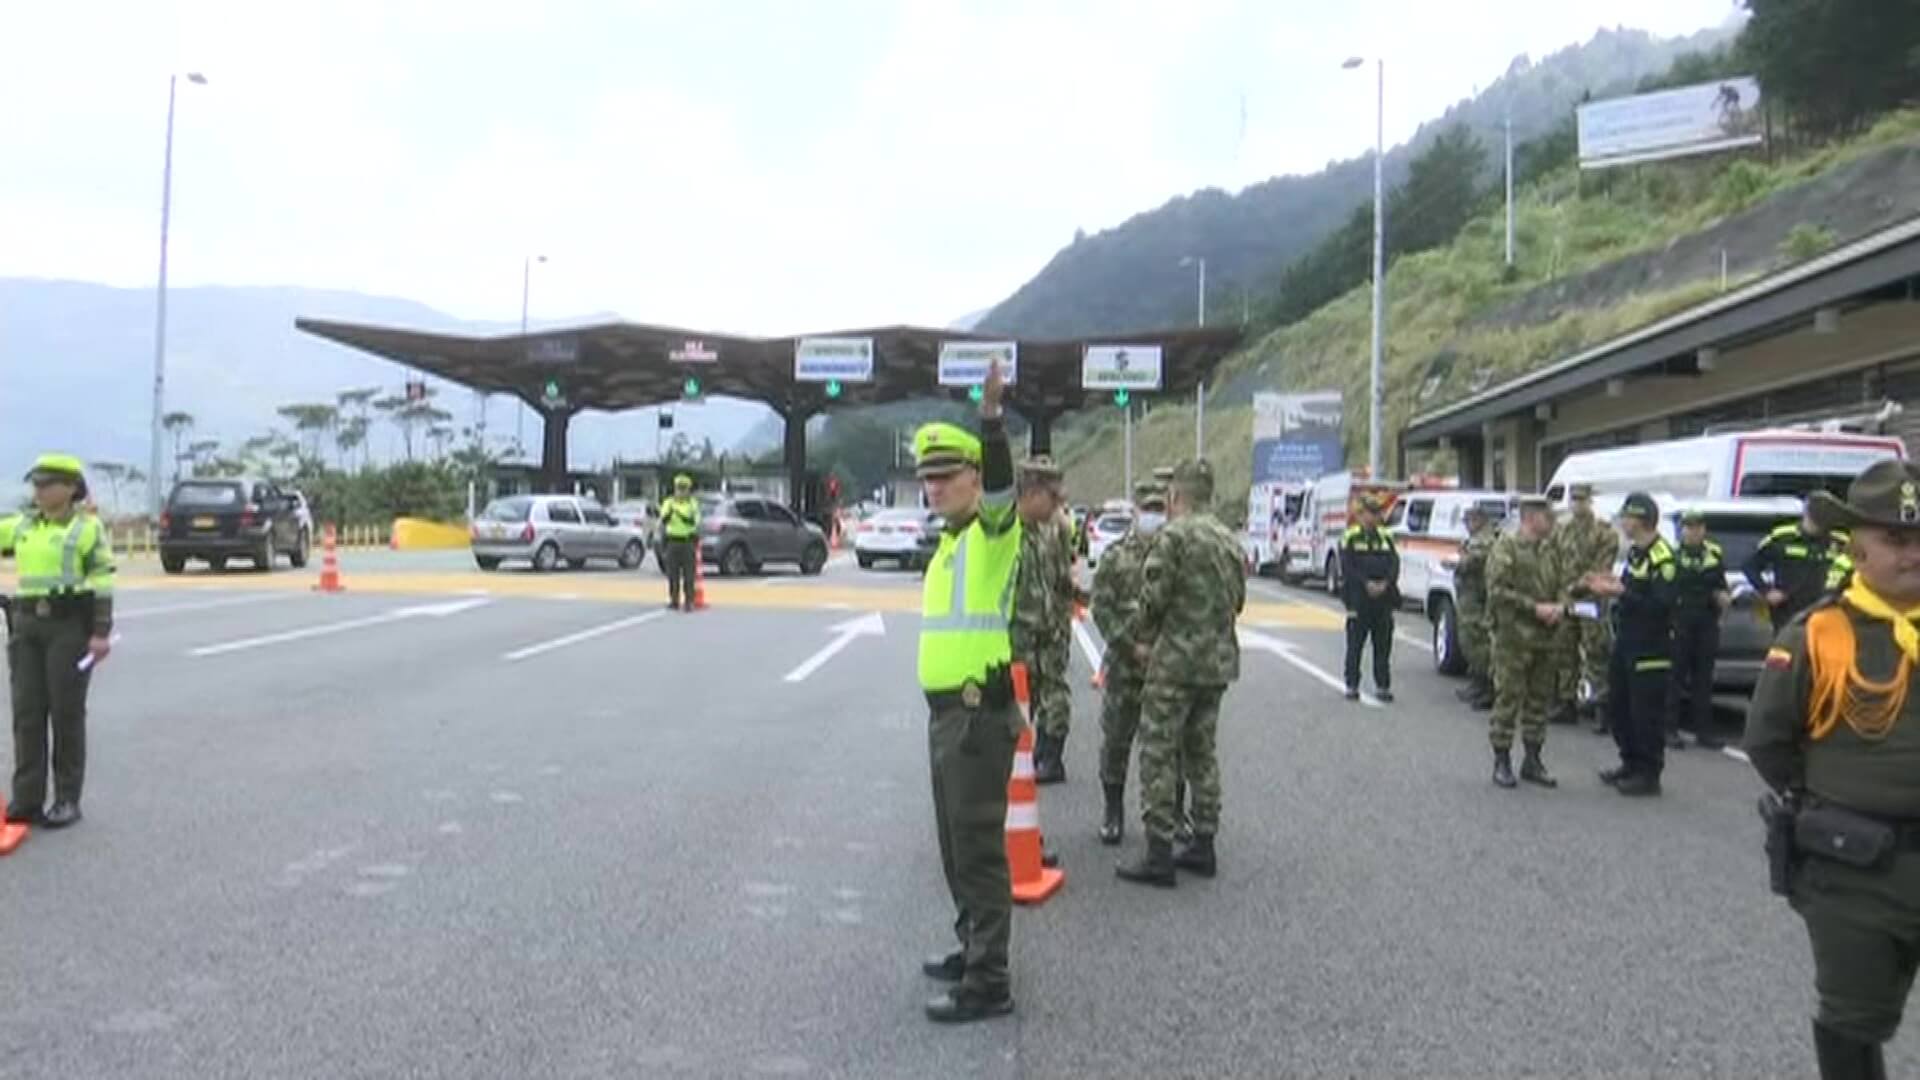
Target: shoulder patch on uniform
[{"x": 1779, "y": 660}]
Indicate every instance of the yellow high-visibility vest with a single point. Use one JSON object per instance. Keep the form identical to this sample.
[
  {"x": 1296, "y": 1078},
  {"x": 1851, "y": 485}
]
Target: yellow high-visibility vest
[
  {"x": 967, "y": 601},
  {"x": 59, "y": 558}
]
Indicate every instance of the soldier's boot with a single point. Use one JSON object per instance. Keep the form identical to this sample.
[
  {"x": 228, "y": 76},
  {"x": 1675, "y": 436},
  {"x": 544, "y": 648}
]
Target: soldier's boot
[
  {"x": 1534, "y": 771},
  {"x": 1114, "y": 825},
  {"x": 1155, "y": 867},
  {"x": 1051, "y": 768},
  {"x": 1503, "y": 769},
  {"x": 1844, "y": 1058},
  {"x": 1197, "y": 856}
]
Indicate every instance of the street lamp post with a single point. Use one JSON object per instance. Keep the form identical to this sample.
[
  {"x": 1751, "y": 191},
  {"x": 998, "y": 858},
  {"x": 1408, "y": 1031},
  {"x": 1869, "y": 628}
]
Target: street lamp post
[
  {"x": 157, "y": 494},
  {"x": 1200, "y": 388},
  {"x": 526, "y": 292},
  {"x": 1375, "y": 392}
]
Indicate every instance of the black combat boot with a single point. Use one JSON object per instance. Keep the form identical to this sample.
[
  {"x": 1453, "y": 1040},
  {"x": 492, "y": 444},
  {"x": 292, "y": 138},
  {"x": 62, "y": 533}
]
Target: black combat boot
[
  {"x": 1197, "y": 857},
  {"x": 1844, "y": 1058},
  {"x": 1638, "y": 784},
  {"x": 1503, "y": 769},
  {"x": 1051, "y": 768},
  {"x": 1534, "y": 771},
  {"x": 949, "y": 968},
  {"x": 22, "y": 814},
  {"x": 963, "y": 1005},
  {"x": 1114, "y": 825},
  {"x": 1615, "y": 774},
  {"x": 64, "y": 812},
  {"x": 1154, "y": 868}
]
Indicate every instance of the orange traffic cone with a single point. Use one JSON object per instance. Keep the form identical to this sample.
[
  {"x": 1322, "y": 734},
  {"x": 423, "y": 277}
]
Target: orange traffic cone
[
  {"x": 329, "y": 564},
  {"x": 1033, "y": 881},
  {"x": 699, "y": 585},
  {"x": 12, "y": 835}
]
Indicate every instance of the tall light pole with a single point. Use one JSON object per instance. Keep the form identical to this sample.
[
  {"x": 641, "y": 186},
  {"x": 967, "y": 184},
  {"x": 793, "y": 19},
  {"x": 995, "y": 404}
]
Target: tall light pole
[
  {"x": 526, "y": 292},
  {"x": 1375, "y": 391},
  {"x": 1200, "y": 388},
  {"x": 156, "y": 493}
]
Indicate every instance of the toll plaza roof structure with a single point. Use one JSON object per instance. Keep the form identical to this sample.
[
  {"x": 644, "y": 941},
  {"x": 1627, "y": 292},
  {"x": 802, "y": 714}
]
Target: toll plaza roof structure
[{"x": 621, "y": 365}]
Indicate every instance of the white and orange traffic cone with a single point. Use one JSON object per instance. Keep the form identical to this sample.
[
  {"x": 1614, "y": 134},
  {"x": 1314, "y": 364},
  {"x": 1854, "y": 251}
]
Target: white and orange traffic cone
[
  {"x": 329, "y": 564},
  {"x": 1033, "y": 880}
]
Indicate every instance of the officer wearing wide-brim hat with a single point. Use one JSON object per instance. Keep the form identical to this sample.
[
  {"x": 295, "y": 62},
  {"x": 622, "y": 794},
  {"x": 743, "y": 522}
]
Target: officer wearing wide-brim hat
[
  {"x": 1834, "y": 722},
  {"x": 965, "y": 671},
  {"x": 60, "y": 615}
]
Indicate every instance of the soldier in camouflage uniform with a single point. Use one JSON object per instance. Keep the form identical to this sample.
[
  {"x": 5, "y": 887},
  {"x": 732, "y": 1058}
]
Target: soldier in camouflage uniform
[
  {"x": 1182, "y": 804},
  {"x": 1042, "y": 614},
  {"x": 1583, "y": 545},
  {"x": 1116, "y": 595},
  {"x": 1523, "y": 594},
  {"x": 1470, "y": 594},
  {"x": 1190, "y": 599}
]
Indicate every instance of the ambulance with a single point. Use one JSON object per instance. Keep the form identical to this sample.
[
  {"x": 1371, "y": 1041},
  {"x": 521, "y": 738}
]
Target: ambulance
[{"x": 1753, "y": 464}]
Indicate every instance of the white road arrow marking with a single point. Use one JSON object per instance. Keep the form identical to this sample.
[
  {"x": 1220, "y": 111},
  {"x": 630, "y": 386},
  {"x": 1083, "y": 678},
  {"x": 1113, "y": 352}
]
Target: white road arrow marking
[
  {"x": 1285, "y": 650},
  {"x": 434, "y": 611},
  {"x": 583, "y": 635},
  {"x": 868, "y": 625}
]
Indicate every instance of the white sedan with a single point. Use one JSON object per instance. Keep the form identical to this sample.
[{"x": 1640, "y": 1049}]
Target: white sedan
[
  {"x": 906, "y": 538},
  {"x": 1108, "y": 526}
]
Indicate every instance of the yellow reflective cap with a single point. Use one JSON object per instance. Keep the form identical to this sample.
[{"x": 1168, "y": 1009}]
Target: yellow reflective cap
[
  {"x": 56, "y": 464},
  {"x": 683, "y": 480},
  {"x": 942, "y": 449}
]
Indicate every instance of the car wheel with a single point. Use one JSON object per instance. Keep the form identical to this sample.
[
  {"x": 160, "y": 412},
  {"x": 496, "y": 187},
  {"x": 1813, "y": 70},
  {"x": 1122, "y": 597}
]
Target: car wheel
[
  {"x": 632, "y": 555},
  {"x": 263, "y": 558},
  {"x": 546, "y": 558},
  {"x": 814, "y": 559},
  {"x": 734, "y": 562},
  {"x": 173, "y": 564},
  {"x": 301, "y": 551},
  {"x": 487, "y": 562},
  {"x": 866, "y": 561},
  {"x": 1448, "y": 658}
]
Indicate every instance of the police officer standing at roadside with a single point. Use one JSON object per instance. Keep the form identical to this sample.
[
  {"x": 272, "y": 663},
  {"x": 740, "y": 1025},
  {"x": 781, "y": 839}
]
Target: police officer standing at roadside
[
  {"x": 1370, "y": 588},
  {"x": 1700, "y": 596},
  {"x": 965, "y": 671},
  {"x": 60, "y": 618},
  {"x": 1643, "y": 653},
  {"x": 1833, "y": 729},
  {"x": 1795, "y": 565},
  {"x": 680, "y": 524}
]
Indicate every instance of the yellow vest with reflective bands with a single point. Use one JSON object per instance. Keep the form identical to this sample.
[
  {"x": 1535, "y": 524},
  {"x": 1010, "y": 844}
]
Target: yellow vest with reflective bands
[
  {"x": 967, "y": 600},
  {"x": 58, "y": 558}
]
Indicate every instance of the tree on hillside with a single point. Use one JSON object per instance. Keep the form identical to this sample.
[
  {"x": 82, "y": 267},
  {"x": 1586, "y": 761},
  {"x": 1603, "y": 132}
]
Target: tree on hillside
[
  {"x": 351, "y": 435},
  {"x": 1442, "y": 192},
  {"x": 177, "y": 424},
  {"x": 356, "y": 408},
  {"x": 411, "y": 416},
  {"x": 1834, "y": 63},
  {"x": 200, "y": 453},
  {"x": 113, "y": 472},
  {"x": 313, "y": 422}
]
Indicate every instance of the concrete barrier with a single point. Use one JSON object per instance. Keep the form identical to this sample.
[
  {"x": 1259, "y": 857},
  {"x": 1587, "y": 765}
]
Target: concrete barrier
[{"x": 415, "y": 534}]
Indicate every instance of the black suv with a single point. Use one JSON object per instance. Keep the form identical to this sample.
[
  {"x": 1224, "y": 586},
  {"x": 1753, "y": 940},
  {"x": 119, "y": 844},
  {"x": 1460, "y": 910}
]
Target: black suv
[{"x": 217, "y": 519}]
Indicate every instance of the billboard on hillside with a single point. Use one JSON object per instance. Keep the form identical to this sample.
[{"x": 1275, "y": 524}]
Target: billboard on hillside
[
  {"x": 1297, "y": 437},
  {"x": 1693, "y": 119}
]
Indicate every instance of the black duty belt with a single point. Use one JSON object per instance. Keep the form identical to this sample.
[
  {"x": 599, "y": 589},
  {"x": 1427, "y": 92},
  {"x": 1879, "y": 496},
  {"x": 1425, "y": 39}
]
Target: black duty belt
[{"x": 69, "y": 605}]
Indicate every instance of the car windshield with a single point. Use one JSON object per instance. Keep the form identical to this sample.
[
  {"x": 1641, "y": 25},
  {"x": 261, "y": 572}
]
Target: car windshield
[
  {"x": 514, "y": 509},
  {"x": 206, "y": 496},
  {"x": 1114, "y": 523}
]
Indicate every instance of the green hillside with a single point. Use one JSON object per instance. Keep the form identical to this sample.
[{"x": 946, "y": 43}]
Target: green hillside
[{"x": 1596, "y": 255}]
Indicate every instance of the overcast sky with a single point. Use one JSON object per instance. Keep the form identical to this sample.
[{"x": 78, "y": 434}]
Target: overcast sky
[{"x": 762, "y": 166}]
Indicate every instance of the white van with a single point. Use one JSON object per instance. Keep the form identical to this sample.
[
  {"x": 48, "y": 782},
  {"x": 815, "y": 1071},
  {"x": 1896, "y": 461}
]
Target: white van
[
  {"x": 1750, "y": 464},
  {"x": 1429, "y": 528},
  {"x": 1313, "y": 544},
  {"x": 1273, "y": 509}
]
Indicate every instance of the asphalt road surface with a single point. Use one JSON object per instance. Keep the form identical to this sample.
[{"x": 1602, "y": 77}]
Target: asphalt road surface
[{"x": 455, "y": 825}]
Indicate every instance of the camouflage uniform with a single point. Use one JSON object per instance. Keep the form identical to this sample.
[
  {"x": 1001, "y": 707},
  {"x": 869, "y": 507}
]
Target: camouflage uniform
[
  {"x": 1521, "y": 572},
  {"x": 1192, "y": 593},
  {"x": 1582, "y": 545},
  {"x": 1470, "y": 596},
  {"x": 1041, "y": 628},
  {"x": 1116, "y": 597}
]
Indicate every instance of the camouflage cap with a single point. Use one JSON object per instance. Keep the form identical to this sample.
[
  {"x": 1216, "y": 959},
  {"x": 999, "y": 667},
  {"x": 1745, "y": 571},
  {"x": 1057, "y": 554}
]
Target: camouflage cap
[
  {"x": 1150, "y": 493},
  {"x": 1580, "y": 491},
  {"x": 1039, "y": 469},
  {"x": 1164, "y": 474},
  {"x": 1536, "y": 502},
  {"x": 1191, "y": 471}
]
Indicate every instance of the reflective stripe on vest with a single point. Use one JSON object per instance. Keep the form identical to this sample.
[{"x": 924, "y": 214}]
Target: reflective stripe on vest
[
  {"x": 69, "y": 579},
  {"x": 966, "y": 605}
]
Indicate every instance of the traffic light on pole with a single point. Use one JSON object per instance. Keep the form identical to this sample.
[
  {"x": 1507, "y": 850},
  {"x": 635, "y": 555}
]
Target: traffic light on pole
[
  {"x": 833, "y": 388},
  {"x": 975, "y": 392},
  {"x": 1121, "y": 397},
  {"x": 691, "y": 388}
]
